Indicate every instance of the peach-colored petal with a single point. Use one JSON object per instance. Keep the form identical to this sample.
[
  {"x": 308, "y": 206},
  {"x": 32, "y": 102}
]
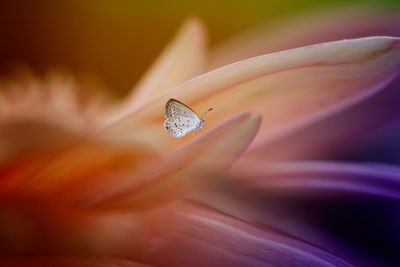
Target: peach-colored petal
[
  {"x": 183, "y": 59},
  {"x": 55, "y": 174},
  {"x": 58, "y": 96},
  {"x": 180, "y": 172},
  {"x": 313, "y": 26},
  {"x": 86, "y": 172},
  {"x": 20, "y": 137},
  {"x": 290, "y": 88}
]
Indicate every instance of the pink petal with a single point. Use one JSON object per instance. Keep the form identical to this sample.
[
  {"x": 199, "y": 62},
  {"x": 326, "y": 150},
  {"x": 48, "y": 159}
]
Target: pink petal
[
  {"x": 307, "y": 28},
  {"x": 340, "y": 133},
  {"x": 203, "y": 237},
  {"x": 290, "y": 89},
  {"x": 182, "y": 59}
]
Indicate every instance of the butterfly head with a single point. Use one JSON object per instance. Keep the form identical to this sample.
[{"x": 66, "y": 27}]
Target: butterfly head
[
  {"x": 202, "y": 116},
  {"x": 202, "y": 120}
]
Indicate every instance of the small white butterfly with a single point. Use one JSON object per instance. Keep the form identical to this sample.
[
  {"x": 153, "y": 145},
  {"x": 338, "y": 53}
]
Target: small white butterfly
[{"x": 181, "y": 119}]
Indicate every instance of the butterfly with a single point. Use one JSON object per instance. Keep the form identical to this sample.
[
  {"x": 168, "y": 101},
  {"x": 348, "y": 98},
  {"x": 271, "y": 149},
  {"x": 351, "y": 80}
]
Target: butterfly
[{"x": 180, "y": 119}]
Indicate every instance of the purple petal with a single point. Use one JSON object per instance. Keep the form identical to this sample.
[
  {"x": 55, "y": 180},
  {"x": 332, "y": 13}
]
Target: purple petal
[
  {"x": 348, "y": 209},
  {"x": 346, "y": 133}
]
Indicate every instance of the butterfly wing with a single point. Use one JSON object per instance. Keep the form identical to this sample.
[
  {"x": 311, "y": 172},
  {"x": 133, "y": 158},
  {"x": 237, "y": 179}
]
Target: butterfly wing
[{"x": 181, "y": 119}]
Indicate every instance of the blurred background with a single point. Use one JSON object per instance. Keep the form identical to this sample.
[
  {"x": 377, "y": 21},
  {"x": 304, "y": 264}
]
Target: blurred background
[{"x": 117, "y": 40}]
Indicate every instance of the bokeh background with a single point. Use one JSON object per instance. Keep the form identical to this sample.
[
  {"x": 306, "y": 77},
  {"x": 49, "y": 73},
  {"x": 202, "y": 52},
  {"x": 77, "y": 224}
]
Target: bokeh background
[{"x": 117, "y": 40}]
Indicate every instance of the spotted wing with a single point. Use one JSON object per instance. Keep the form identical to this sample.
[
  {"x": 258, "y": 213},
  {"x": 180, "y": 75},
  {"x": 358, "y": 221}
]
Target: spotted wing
[{"x": 181, "y": 119}]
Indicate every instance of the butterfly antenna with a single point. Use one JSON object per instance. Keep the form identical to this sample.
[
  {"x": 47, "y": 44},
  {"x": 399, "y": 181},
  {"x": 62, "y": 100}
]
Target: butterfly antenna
[{"x": 202, "y": 116}]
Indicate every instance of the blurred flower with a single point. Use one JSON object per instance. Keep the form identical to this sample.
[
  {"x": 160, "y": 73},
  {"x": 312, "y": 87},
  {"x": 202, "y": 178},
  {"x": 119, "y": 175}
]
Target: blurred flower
[{"x": 86, "y": 181}]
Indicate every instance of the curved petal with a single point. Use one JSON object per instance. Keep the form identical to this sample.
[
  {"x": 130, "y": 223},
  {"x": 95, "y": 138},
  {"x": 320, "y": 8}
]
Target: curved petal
[
  {"x": 290, "y": 89},
  {"x": 373, "y": 132},
  {"x": 206, "y": 238},
  {"x": 371, "y": 179},
  {"x": 180, "y": 172},
  {"x": 68, "y": 261},
  {"x": 57, "y": 173},
  {"x": 89, "y": 173},
  {"x": 313, "y": 26},
  {"x": 68, "y": 206},
  {"x": 27, "y": 228},
  {"x": 379, "y": 145},
  {"x": 33, "y": 233},
  {"x": 20, "y": 136},
  {"x": 182, "y": 59},
  {"x": 366, "y": 131},
  {"x": 348, "y": 209}
]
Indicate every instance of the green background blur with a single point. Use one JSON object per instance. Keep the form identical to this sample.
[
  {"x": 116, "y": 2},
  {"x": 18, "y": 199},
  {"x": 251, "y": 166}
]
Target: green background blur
[{"x": 117, "y": 40}]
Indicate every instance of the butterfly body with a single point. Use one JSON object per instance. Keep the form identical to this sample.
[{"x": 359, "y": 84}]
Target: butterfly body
[{"x": 180, "y": 119}]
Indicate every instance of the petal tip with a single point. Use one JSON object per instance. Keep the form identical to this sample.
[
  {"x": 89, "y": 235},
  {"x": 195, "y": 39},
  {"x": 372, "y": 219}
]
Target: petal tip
[{"x": 195, "y": 26}]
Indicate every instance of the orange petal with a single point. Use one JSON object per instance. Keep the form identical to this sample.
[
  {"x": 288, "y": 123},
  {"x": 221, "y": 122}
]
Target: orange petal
[
  {"x": 87, "y": 173},
  {"x": 69, "y": 172},
  {"x": 20, "y": 137},
  {"x": 30, "y": 229},
  {"x": 181, "y": 60},
  {"x": 290, "y": 89}
]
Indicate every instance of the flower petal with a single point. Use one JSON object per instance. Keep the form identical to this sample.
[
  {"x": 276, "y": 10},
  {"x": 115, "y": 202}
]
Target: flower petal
[
  {"x": 178, "y": 173},
  {"x": 58, "y": 173},
  {"x": 68, "y": 261},
  {"x": 372, "y": 179},
  {"x": 29, "y": 229},
  {"x": 380, "y": 145},
  {"x": 336, "y": 206},
  {"x": 206, "y": 238},
  {"x": 58, "y": 96},
  {"x": 366, "y": 131},
  {"x": 307, "y": 28},
  {"x": 128, "y": 175},
  {"x": 20, "y": 136},
  {"x": 183, "y": 59},
  {"x": 290, "y": 89}
]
